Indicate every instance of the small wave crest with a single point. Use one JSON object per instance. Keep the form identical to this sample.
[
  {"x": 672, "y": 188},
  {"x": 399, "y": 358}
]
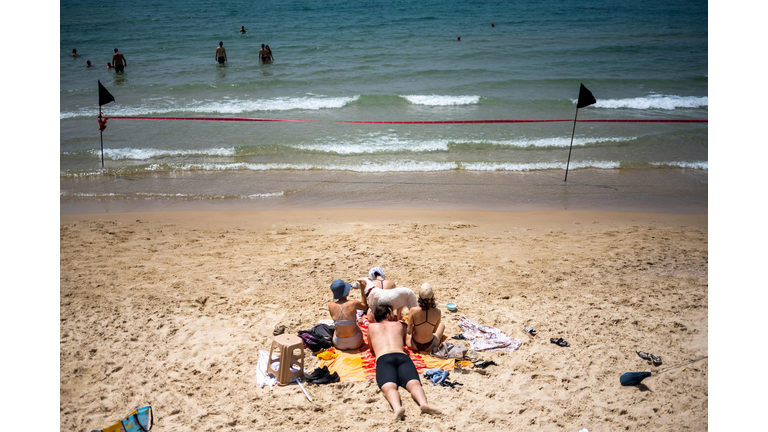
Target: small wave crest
[
  {"x": 389, "y": 144},
  {"x": 440, "y": 100},
  {"x": 702, "y": 165},
  {"x": 654, "y": 102},
  {"x": 537, "y": 166},
  {"x": 234, "y": 106}
]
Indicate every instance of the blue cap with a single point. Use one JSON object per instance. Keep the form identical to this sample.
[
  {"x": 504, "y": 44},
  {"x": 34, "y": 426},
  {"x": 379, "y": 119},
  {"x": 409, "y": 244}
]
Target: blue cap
[{"x": 340, "y": 288}]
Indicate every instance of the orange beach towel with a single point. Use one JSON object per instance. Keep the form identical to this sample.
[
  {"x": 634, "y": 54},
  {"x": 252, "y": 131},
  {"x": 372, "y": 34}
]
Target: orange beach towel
[{"x": 360, "y": 365}]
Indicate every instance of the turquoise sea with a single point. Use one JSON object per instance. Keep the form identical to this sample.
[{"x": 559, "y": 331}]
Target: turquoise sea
[{"x": 385, "y": 61}]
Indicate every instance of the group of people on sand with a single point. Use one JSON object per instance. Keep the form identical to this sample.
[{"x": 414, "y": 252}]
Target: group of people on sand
[
  {"x": 118, "y": 62},
  {"x": 387, "y": 334}
]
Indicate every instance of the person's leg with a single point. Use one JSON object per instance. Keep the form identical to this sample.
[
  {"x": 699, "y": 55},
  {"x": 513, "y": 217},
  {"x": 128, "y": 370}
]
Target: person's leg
[
  {"x": 393, "y": 397},
  {"x": 417, "y": 392}
]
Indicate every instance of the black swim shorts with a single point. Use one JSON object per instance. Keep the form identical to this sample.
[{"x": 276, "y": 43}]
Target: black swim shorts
[
  {"x": 119, "y": 68},
  {"x": 221, "y": 60},
  {"x": 395, "y": 368}
]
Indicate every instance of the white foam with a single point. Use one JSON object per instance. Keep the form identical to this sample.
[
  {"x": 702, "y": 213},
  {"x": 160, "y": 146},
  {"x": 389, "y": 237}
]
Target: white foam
[
  {"x": 148, "y": 153},
  {"x": 379, "y": 144},
  {"x": 666, "y": 102},
  {"x": 390, "y": 144},
  {"x": 682, "y": 164},
  {"x": 536, "y": 166},
  {"x": 392, "y": 166},
  {"x": 440, "y": 100},
  {"x": 233, "y": 106}
]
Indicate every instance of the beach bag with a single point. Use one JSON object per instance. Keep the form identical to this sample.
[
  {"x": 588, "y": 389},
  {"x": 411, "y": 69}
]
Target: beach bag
[{"x": 140, "y": 420}]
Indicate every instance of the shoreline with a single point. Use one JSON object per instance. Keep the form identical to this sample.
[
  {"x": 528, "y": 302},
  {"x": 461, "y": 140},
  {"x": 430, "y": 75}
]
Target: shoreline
[{"x": 655, "y": 190}]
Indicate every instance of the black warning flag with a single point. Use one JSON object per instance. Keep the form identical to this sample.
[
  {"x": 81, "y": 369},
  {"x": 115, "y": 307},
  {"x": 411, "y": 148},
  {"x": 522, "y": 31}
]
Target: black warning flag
[
  {"x": 585, "y": 98},
  {"x": 106, "y": 97}
]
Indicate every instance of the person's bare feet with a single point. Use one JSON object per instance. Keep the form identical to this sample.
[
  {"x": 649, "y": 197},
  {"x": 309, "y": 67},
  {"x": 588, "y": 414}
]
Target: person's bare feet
[
  {"x": 399, "y": 414},
  {"x": 426, "y": 409}
]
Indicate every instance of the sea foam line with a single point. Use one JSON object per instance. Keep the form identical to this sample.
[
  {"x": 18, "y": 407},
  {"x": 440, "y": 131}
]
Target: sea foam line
[
  {"x": 372, "y": 167},
  {"x": 440, "y": 100},
  {"x": 234, "y": 106},
  {"x": 393, "y": 144},
  {"x": 702, "y": 165},
  {"x": 665, "y": 102}
]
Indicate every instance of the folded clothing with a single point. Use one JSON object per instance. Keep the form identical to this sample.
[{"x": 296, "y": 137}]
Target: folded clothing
[{"x": 436, "y": 375}]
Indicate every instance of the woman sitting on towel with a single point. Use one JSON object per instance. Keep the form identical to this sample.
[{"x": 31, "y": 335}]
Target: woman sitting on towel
[
  {"x": 347, "y": 335},
  {"x": 424, "y": 327}
]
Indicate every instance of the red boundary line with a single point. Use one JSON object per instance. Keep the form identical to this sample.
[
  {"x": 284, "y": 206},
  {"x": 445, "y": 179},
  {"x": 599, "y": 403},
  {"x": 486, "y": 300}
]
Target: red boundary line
[{"x": 398, "y": 122}]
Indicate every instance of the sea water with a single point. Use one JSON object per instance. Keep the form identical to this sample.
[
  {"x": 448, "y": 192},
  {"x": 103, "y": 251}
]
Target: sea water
[{"x": 385, "y": 61}]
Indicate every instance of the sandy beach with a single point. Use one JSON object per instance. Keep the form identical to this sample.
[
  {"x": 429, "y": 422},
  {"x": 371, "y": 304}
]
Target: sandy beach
[{"x": 170, "y": 309}]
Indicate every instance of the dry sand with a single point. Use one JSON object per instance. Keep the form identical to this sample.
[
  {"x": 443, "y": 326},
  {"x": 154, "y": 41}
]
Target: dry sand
[{"x": 170, "y": 309}]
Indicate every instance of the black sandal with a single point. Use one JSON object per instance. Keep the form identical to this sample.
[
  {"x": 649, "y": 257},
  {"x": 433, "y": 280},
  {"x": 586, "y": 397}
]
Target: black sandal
[
  {"x": 560, "y": 342},
  {"x": 643, "y": 355},
  {"x": 656, "y": 360}
]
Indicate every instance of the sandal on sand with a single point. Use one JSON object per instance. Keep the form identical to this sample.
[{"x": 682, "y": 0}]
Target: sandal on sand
[
  {"x": 531, "y": 331},
  {"x": 643, "y": 355},
  {"x": 656, "y": 359},
  {"x": 279, "y": 330},
  {"x": 560, "y": 342}
]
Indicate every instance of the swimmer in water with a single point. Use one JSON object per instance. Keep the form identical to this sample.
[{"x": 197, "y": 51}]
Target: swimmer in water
[
  {"x": 221, "y": 53},
  {"x": 88, "y": 63},
  {"x": 74, "y": 53},
  {"x": 458, "y": 39},
  {"x": 109, "y": 65},
  {"x": 263, "y": 54},
  {"x": 242, "y": 29},
  {"x": 269, "y": 53}
]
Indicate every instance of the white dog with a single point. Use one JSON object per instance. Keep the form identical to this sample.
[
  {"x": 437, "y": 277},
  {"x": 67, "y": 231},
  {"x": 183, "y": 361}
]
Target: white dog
[{"x": 398, "y": 298}]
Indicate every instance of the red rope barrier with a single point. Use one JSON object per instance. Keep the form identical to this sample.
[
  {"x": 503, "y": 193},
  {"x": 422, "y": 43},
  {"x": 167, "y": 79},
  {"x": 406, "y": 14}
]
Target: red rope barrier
[{"x": 397, "y": 122}]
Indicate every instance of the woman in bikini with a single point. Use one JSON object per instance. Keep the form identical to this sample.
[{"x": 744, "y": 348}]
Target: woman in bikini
[
  {"x": 424, "y": 327},
  {"x": 347, "y": 335}
]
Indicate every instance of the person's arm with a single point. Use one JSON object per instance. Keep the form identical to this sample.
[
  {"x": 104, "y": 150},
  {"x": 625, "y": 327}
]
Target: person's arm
[
  {"x": 439, "y": 317},
  {"x": 125, "y": 62},
  {"x": 409, "y": 330},
  {"x": 360, "y": 282},
  {"x": 360, "y": 306},
  {"x": 225, "y": 55}
]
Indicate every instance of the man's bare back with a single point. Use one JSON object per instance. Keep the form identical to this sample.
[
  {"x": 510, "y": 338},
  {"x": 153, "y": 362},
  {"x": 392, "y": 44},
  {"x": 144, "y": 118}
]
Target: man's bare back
[
  {"x": 119, "y": 60},
  {"x": 386, "y": 337}
]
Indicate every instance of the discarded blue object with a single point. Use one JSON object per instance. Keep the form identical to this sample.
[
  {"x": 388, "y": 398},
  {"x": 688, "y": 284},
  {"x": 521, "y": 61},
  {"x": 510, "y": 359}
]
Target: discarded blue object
[{"x": 633, "y": 378}]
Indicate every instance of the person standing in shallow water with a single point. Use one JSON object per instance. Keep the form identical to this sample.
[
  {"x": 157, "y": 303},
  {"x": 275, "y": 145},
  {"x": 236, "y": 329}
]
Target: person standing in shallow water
[
  {"x": 263, "y": 55},
  {"x": 242, "y": 30},
  {"x": 118, "y": 61},
  {"x": 221, "y": 53}
]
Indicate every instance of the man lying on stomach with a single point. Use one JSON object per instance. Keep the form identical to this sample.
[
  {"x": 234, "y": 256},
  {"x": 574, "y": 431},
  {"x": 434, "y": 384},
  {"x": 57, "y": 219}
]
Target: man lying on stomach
[{"x": 393, "y": 366}]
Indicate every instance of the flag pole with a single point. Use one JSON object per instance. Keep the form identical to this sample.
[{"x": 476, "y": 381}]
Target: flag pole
[
  {"x": 101, "y": 137},
  {"x": 571, "y": 148}
]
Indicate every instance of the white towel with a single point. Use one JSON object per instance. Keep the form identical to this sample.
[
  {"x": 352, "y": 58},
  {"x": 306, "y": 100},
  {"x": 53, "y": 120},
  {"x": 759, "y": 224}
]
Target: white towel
[{"x": 262, "y": 378}]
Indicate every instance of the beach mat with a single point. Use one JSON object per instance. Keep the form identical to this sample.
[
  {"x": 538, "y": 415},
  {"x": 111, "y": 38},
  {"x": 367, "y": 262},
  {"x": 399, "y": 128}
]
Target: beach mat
[{"x": 360, "y": 365}]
